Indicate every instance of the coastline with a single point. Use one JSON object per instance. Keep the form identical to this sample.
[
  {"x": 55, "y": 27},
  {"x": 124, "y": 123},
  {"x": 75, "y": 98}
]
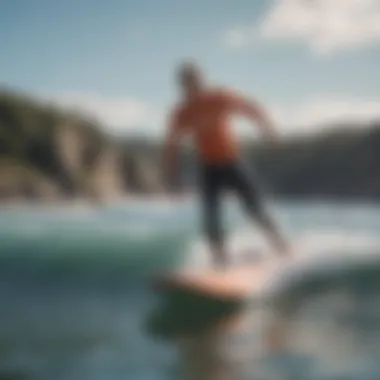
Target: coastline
[{"x": 90, "y": 203}]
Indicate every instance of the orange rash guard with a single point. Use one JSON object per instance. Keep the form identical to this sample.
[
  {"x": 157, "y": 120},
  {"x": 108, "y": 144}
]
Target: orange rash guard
[{"x": 206, "y": 119}]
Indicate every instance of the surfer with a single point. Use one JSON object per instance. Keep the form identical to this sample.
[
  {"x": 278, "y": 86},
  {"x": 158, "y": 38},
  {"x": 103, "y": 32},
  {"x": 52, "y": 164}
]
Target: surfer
[{"x": 203, "y": 113}]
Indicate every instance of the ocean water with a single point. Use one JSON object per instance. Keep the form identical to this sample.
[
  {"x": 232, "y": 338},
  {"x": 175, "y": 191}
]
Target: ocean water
[{"x": 74, "y": 291}]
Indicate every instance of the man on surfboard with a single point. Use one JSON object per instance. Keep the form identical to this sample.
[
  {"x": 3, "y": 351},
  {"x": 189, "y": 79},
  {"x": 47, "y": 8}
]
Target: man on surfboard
[{"x": 203, "y": 113}]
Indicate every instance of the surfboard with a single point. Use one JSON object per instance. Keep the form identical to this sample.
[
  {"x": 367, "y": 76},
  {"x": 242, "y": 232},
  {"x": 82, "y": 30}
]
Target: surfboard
[
  {"x": 193, "y": 301},
  {"x": 235, "y": 283}
]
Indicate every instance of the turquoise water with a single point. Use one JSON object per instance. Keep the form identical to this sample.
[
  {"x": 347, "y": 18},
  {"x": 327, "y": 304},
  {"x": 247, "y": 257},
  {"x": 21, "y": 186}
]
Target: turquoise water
[{"x": 74, "y": 290}]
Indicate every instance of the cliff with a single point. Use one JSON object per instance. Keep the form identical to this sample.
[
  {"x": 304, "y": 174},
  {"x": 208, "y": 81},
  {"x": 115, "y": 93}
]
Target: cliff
[{"x": 48, "y": 154}]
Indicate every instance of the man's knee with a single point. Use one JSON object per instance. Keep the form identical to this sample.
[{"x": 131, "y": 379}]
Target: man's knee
[
  {"x": 213, "y": 231},
  {"x": 256, "y": 208},
  {"x": 251, "y": 200}
]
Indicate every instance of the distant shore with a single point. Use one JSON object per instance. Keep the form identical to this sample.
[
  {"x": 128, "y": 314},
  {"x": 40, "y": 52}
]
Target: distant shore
[
  {"x": 89, "y": 203},
  {"x": 53, "y": 157}
]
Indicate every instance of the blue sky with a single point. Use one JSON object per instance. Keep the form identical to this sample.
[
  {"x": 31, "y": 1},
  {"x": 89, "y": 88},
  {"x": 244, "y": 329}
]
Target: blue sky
[{"x": 309, "y": 61}]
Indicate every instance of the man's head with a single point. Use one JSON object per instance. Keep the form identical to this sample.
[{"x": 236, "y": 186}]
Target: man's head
[{"x": 190, "y": 78}]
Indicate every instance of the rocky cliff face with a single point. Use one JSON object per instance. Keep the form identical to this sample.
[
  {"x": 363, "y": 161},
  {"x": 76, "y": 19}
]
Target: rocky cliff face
[
  {"x": 65, "y": 156},
  {"x": 18, "y": 182},
  {"x": 105, "y": 178}
]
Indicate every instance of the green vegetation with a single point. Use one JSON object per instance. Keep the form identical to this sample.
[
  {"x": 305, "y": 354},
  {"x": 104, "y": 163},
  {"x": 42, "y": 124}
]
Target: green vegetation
[
  {"x": 46, "y": 153},
  {"x": 31, "y": 135}
]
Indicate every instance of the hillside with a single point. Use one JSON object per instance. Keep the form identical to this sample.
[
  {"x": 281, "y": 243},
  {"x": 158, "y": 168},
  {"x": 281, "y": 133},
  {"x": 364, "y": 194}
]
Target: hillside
[
  {"x": 340, "y": 164},
  {"x": 48, "y": 154}
]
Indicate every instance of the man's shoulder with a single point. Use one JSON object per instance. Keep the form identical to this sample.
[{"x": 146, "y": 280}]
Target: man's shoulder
[
  {"x": 178, "y": 111},
  {"x": 178, "y": 107},
  {"x": 218, "y": 90},
  {"x": 222, "y": 93}
]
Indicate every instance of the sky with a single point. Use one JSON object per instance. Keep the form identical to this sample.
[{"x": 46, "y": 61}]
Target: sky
[{"x": 309, "y": 62}]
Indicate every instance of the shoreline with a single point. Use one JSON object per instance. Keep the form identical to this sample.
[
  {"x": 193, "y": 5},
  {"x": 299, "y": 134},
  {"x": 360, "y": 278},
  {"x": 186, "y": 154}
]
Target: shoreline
[{"x": 90, "y": 203}]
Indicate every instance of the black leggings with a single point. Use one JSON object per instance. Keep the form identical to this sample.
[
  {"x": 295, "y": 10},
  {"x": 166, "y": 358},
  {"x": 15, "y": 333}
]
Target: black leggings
[{"x": 214, "y": 179}]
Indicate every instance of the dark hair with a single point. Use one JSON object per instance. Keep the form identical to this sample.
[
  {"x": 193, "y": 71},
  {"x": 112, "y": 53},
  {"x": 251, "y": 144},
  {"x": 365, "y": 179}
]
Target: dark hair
[{"x": 188, "y": 69}]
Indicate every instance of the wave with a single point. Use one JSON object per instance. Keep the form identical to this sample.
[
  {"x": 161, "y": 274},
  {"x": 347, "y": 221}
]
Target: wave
[
  {"x": 107, "y": 261},
  {"x": 135, "y": 238},
  {"x": 122, "y": 243}
]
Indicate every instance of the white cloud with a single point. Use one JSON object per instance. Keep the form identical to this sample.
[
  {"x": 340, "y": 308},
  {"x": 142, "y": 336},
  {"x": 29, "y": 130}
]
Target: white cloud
[
  {"x": 237, "y": 38},
  {"x": 320, "y": 113},
  {"x": 323, "y": 112},
  {"x": 118, "y": 115},
  {"x": 325, "y": 26}
]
